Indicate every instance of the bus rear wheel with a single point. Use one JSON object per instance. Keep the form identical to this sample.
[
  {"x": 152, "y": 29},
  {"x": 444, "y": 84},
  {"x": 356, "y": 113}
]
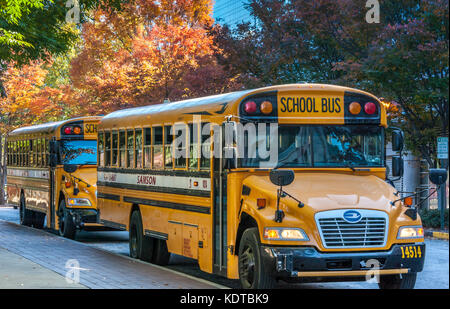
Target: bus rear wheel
[
  {"x": 404, "y": 281},
  {"x": 67, "y": 227},
  {"x": 251, "y": 270},
  {"x": 141, "y": 246},
  {"x": 26, "y": 215}
]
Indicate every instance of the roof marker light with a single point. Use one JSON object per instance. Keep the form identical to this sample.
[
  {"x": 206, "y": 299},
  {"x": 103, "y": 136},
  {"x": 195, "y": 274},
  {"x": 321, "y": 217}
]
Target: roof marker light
[
  {"x": 250, "y": 107},
  {"x": 354, "y": 108},
  {"x": 370, "y": 108},
  {"x": 266, "y": 107}
]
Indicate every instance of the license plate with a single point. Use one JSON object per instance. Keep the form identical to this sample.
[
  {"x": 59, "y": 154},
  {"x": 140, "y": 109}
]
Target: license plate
[{"x": 411, "y": 252}]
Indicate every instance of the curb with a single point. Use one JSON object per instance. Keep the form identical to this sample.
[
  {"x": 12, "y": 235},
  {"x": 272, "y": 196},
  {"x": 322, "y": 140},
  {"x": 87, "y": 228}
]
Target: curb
[{"x": 438, "y": 235}]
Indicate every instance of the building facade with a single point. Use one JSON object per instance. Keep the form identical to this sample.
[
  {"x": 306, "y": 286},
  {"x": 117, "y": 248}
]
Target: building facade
[{"x": 231, "y": 12}]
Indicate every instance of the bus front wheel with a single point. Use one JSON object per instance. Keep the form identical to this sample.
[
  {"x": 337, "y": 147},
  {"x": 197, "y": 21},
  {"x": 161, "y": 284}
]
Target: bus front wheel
[
  {"x": 251, "y": 270},
  {"x": 141, "y": 246},
  {"x": 26, "y": 215},
  {"x": 405, "y": 281},
  {"x": 67, "y": 227}
]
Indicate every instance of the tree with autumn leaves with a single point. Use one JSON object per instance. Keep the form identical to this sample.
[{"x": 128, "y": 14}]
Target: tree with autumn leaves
[
  {"x": 146, "y": 53},
  {"x": 404, "y": 58}
]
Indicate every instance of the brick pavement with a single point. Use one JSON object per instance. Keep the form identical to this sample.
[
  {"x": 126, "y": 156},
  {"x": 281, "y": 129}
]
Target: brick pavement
[{"x": 98, "y": 269}]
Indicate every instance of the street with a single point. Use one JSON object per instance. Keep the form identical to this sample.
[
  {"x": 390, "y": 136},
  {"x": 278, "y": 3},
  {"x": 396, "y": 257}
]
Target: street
[{"x": 434, "y": 276}]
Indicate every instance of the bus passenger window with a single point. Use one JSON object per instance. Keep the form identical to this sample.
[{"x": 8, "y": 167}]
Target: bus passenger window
[
  {"x": 122, "y": 149},
  {"x": 47, "y": 152},
  {"x": 138, "y": 143},
  {"x": 158, "y": 151},
  {"x": 130, "y": 149},
  {"x": 107, "y": 148},
  {"x": 193, "y": 146},
  {"x": 168, "y": 162},
  {"x": 101, "y": 149},
  {"x": 114, "y": 148},
  {"x": 34, "y": 152},
  {"x": 180, "y": 151},
  {"x": 205, "y": 158},
  {"x": 148, "y": 148}
]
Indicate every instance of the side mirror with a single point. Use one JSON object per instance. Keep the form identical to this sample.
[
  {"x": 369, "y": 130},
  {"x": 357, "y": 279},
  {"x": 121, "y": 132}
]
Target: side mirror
[
  {"x": 397, "y": 166},
  {"x": 53, "y": 159},
  {"x": 70, "y": 168},
  {"x": 397, "y": 141},
  {"x": 281, "y": 177},
  {"x": 438, "y": 176},
  {"x": 53, "y": 145}
]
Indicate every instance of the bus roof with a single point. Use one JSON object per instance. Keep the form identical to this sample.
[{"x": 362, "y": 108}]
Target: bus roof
[
  {"x": 209, "y": 106},
  {"x": 48, "y": 128}
]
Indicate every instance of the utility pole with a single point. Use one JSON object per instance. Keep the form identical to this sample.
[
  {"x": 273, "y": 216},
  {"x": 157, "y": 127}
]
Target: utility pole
[{"x": 442, "y": 154}]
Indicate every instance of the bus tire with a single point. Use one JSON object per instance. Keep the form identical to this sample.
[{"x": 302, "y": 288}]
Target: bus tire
[
  {"x": 251, "y": 269},
  {"x": 405, "y": 281},
  {"x": 26, "y": 215},
  {"x": 141, "y": 246},
  {"x": 67, "y": 227},
  {"x": 38, "y": 220},
  {"x": 161, "y": 255}
]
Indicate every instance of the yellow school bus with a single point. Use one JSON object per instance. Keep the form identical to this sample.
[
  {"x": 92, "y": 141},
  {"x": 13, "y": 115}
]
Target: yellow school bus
[
  {"x": 52, "y": 174},
  {"x": 319, "y": 209}
]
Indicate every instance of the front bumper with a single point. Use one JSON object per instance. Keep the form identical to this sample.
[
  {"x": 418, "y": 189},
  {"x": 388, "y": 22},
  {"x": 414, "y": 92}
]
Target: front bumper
[
  {"x": 307, "y": 262},
  {"x": 84, "y": 217}
]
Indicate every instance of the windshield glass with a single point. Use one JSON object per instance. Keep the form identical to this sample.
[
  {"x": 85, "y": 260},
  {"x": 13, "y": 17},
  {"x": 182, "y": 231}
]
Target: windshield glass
[
  {"x": 79, "y": 152},
  {"x": 327, "y": 146}
]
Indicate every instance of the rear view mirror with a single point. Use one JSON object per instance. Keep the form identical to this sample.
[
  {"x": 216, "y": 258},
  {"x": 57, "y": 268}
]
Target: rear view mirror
[
  {"x": 397, "y": 141},
  {"x": 438, "y": 176},
  {"x": 281, "y": 177},
  {"x": 397, "y": 166}
]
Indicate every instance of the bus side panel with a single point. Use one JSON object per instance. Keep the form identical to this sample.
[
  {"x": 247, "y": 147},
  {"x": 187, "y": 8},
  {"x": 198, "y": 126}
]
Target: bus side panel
[
  {"x": 111, "y": 212},
  {"x": 13, "y": 191}
]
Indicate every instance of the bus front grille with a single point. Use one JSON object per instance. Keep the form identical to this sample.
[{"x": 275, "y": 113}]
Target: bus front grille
[{"x": 338, "y": 233}]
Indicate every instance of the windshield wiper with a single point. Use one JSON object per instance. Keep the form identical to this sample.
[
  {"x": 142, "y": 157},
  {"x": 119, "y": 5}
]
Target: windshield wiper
[{"x": 348, "y": 165}]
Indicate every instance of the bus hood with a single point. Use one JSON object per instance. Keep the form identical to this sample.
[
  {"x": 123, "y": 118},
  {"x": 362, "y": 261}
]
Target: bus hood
[
  {"x": 325, "y": 191},
  {"x": 88, "y": 174}
]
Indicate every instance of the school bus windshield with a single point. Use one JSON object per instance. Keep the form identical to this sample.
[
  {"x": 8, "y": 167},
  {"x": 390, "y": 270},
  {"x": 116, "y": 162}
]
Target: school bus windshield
[
  {"x": 326, "y": 146},
  {"x": 79, "y": 152}
]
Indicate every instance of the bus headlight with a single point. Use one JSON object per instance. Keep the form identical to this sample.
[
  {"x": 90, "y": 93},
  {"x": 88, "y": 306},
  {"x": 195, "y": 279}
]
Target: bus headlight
[
  {"x": 79, "y": 202},
  {"x": 406, "y": 232},
  {"x": 280, "y": 233}
]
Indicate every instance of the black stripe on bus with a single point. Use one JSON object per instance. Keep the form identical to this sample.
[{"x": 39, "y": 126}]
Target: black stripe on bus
[
  {"x": 164, "y": 204},
  {"x": 200, "y": 174},
  {"x": 107, "y": 196},
  {"x": 155, "y": 189},
  {"x": 156, "y": 234}
]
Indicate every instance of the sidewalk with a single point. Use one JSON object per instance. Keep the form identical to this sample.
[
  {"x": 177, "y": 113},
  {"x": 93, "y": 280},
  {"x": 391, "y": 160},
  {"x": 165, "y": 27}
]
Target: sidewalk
[
  {"x": 436, "y": 234},
  {"x": 17, "y": 272},
  {"x": 98, "y": 269}
]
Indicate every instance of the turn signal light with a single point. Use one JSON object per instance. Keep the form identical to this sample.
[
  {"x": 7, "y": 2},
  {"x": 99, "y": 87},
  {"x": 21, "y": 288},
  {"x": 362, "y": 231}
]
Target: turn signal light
[
  {"x": 408, "y": 201},
  {"x": 266, "y": 107},
  {"x": 354, "y": 108},
  {"x": 261, "y": 202},
  {"x": 370, "y": 108},
  {"x": 250, "y": 107}
]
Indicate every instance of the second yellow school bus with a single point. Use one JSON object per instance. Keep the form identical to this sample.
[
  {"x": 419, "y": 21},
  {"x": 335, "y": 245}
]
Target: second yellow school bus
[
  {"x": 52, "y": 174},
  {"x": 318, "y": 208}
]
